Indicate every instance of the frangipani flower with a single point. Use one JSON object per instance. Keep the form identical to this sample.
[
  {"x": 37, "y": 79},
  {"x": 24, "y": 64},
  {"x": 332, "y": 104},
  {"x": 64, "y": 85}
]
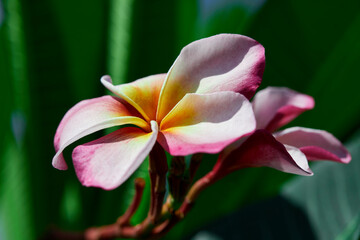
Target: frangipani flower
[
  {"x": 200, "y": 105},
  {"x": 288, "y": 150}
]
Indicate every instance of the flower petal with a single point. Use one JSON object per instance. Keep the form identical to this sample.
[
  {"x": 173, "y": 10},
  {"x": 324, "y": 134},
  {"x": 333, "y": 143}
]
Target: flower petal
[
  {"x": 225, "y": 62},
  {"x": 107, "y": 162},
  {"x": 262, "y": 150},
  {"x": 89, "y": 116},
  {"x": 206, "y": 123},
  {"x": 277, "y": 106},
  {"x": 142, "y": 94},
  {"x": 315, "y": 144}
]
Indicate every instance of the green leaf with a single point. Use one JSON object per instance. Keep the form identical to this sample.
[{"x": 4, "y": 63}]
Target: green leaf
[
  {"x": 153, "y": 38},
  {"x": 309, "y": 50},
  {"x": 185, "y": 22},
  {"x": 335, "y": 86},
  {"x": 64, "y": 57},
  {"x": 216, "y": 17},
  {"x": 53, "y": 57},
  {"x": 120, "y": 19},
  {"x": 81, "y": 26},
  {"x": 330, "y": 199},
  {"x": 15, "y": 203}
]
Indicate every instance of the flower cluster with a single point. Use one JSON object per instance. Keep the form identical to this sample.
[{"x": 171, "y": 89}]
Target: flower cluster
[{"x": 200, "y": 106}]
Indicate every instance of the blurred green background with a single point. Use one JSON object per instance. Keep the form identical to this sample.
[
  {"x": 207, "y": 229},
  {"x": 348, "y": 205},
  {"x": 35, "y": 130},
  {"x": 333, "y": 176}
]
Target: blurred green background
[{"x": 53, "y": 53}]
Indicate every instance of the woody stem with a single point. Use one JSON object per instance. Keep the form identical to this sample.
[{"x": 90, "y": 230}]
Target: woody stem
[
  {"x": 175, "y": 178},
  {"x": 124, "y": 220},
  {"x": 157, "y": 169}
]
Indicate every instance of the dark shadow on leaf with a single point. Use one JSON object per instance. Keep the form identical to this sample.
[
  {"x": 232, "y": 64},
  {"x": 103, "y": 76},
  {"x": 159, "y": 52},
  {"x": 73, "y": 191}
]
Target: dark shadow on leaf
[{"x": 275, "y": 218}]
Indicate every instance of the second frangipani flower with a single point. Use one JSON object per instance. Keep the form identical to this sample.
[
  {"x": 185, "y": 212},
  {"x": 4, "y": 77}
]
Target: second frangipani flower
[
  {"x": 288, "y": 150},
  {"x": 200, "y": 105}
]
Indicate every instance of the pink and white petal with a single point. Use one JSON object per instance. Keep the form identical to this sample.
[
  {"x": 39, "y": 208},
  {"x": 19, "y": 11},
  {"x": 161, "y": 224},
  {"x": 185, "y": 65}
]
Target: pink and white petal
[
  {"x": 109, "y": 161},
  {"x": 142, "y": 94},
  {"x": 277, "y": 106},
  {"x": 206, "y": 123},
  {"x": 224, "y": 62},
  {"x": 232, "y": 147},
  {"x": 315, "y": 144},
  {"x": 262, "y": 150},
  {"x": 89, "y": 116}
]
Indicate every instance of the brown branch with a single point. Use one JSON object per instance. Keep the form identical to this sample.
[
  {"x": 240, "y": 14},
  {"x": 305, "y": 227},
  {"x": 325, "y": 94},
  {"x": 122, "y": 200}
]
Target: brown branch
[
  {"x": 124, "y": 220},
  {"x": 54, "y": 233},
  {"x": 161, "y": 217}
]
